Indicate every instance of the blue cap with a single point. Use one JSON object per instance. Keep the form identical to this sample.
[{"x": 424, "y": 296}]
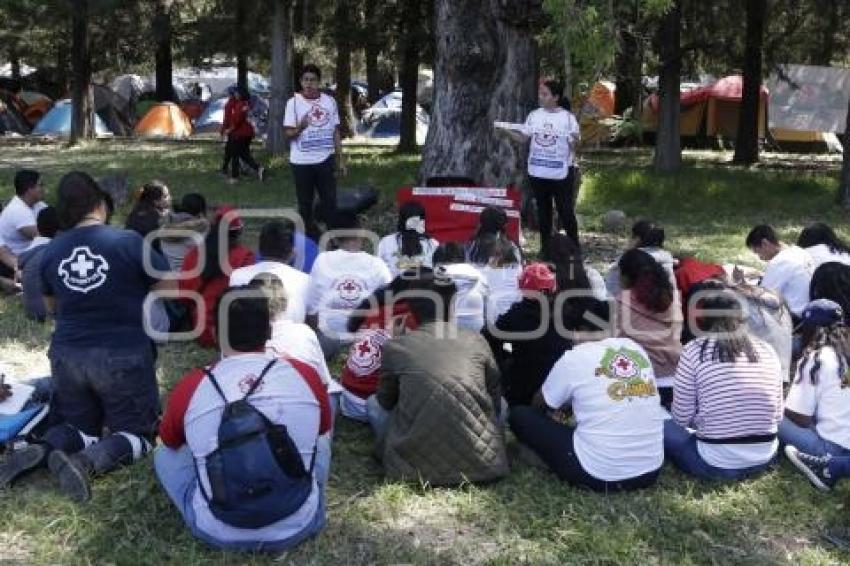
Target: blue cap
[{"x": 822, "y": 312}]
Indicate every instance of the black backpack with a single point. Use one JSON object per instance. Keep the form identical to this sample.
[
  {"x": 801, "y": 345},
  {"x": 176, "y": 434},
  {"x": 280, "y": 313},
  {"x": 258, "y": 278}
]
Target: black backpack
[{"x": 256, "y": 475}]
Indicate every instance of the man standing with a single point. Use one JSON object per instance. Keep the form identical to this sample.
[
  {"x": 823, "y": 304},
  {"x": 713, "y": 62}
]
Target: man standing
[{"x": 311, "y": 123}]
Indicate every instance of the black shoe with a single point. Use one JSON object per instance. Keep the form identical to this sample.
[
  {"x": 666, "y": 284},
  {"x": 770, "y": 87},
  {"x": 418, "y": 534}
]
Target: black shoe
[
  {"x": 21, "y": 461},
  {"x": 816, "y": 468},
  {"x": 72, "y": 475}
]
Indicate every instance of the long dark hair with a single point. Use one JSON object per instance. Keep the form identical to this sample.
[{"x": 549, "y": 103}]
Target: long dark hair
[
  {"x": 410, "y": 241},
  {"x": 720, "y": 312},
  {"x": 648, "y": 281},
  {"x": 149, "y": 193},
  {"x": 820, "y": 233},
  {"x": 78, "y": 196},
  {"x": 832, "y": 281},
  {"x": 557, "y": 89},
  {"x": 815, "y": 339},
  {"x": 490, "y": 240},
  {"x": 212, "y": 267},
  {"x": 569, "y": 263},
  {"x": 648, "y": 233}
]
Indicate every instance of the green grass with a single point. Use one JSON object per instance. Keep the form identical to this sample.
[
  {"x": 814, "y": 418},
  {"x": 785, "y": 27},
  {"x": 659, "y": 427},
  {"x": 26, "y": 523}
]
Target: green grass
[{"x": 529, "y": 517}]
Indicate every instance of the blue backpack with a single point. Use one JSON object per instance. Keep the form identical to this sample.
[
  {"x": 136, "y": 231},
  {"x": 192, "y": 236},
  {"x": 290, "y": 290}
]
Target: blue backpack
[{"x": 256, "y": 475}]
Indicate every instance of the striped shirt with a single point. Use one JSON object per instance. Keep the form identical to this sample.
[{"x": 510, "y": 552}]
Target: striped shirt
[{"x": 728, "y": 400}]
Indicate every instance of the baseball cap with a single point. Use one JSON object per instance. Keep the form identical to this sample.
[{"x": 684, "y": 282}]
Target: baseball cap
[
  {"x": 234, "y": 220},
  {"x": 822, "y": 312},
  {"x": 538, "y": 277}
]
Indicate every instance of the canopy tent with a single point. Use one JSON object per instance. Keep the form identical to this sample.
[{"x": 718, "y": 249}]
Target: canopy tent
[
  {"x": 57, "y": 122},
  {"x": 164, "y": 120},
  {"x": 808, "y": 104}
]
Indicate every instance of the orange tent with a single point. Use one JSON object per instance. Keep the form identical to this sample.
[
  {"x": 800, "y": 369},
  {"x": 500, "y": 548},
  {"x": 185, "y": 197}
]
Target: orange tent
[
  {"x": 164, "y": 120},
  {"x": 596, "y": 106}
]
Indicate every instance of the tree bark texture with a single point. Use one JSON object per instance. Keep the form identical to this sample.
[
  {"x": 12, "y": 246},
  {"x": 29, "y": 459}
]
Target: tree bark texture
[
  {"x": 844, "y": 189},
  {"x": 342, "y": 74},
  {"x": 239, "y": 33},
  {"x": 161, "y": 28},
  {"x": 485, "y": 70},
  {"x": 747, "y": 142},
  {"x": 628, "y": 60},
  {"x": 281, "y": 34},
  {"x": 372, "y": 50},
  {"x": 82, "y": 108},
  {"x": 411, "y": 34},
  {"x": 668, "y": 147}
]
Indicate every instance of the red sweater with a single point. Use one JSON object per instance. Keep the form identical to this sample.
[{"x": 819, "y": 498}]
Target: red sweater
[
  {"x": 210, "y": 291},
  {"x": 236, "y": 119}
]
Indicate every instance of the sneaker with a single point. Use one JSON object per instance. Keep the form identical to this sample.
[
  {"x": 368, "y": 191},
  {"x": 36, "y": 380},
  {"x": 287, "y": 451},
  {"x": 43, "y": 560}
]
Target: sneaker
[
  {"x": 72, "y": 475},
  {"x": 21, "y": 461},
  {"x": 816, "y": 468},
  {"x": 261, "y": 174}
]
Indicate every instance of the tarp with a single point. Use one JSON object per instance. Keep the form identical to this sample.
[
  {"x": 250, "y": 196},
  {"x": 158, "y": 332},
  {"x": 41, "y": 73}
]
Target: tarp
[
  {"x": 164, "y": 120},
  {"x": 807, "y": 98},
  {"x": 57, "y": 122}
]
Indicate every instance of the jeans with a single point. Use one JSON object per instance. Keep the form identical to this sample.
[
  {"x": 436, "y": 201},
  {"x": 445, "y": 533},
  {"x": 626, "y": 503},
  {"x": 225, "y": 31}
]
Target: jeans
[
  {"x": 379, "y": 418},
  {"x": 176, "y": 472},
  {"x": 807, "y": 440},
  {"x": 311, "y": 179},
  {"x": 562, "y": 192},
  {"x": 680, "y": 446},
  {"x": 553, "y": 442}
]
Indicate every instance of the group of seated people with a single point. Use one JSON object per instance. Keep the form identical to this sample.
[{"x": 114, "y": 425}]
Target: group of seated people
[{"x": 446, "y": 346}]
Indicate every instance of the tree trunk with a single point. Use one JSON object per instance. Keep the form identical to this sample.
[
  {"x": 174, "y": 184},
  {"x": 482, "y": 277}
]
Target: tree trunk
[
  {"x": 485, "y": 70},
  {"x": 239, "y": 32},
  {"x": 628, "y": 59},
  {"x": 161, "y": 28},
  {"x": 15, "y": 61},
  {"x": 411, "y": 46},
  {"x": 82, "y": 111},
  {"x": 373, "y": 50},
  {"x": 342, "y": 74},
  {"x": 281, "y": 34},
  {"x": 826, "y": 46},
  {"x": 668, "y": 147},
  {"x": 844, "y": 189},
  {"x": 747, "y": 142}
]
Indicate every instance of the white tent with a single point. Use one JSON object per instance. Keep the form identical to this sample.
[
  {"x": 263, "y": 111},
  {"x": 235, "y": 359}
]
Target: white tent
[{"x": 6, "y": 70}]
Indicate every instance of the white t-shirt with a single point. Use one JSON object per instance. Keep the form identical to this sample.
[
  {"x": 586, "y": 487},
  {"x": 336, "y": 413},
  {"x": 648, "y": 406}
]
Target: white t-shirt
[
  {"x": 294, "y": 282},
  {"x": 339, "y": 282},
  {"x": 16, "y": 215},
  {"x": 821, "y": 254},
  {"x": 285, "y": 398},
  {"x": 550, "y": 155},
  {"x": 503, "y": 285},
  {"x": 828, "y": 401},
  {"x": 619, "y": 420},
  {"x": 316, "y": 143},
  {"x": 389, "y": 251},
  {"x": 790, "y": 274},
  {"x": 472, "y": 292},
  {"x": 299, "y": 341}
]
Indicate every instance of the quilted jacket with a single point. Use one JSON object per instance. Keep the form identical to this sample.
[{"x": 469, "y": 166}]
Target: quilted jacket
[{"x": 442, "y": 385}]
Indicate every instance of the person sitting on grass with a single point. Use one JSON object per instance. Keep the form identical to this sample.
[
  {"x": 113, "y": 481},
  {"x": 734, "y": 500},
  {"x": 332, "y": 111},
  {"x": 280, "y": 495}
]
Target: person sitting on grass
[
  {"x": 339, "y": 282},
  {"x": 498, "y": 259},
  {"x": 529, "y": 327},
  {"x": 17, "y": 220},
  {"x": 472, "y": 288},
  {"x": 410, "y": 247},
  {"x": 263, "y": 490},
  {"x": 102, "y": 363},
  {"x": 817, "y": 409},
  {"x": 212, "y": 281},
  {"x": 571, "y": 271},
  {"x": 277, "y": 239},
  {"x": 30, "y": 264},
  {"x": 437, "y": 411},
  {"x": 190, "y": 217},
  {"x": 823, "y": 244},
  {"x": 648, "y": 237},
  {"x": 789, "y": 268},
  {"x": 727, "y": 396},
  {"x": 153, "y": 202},
  {"x": 616, "y": 443},
  {"x": 648, "y": 312}
]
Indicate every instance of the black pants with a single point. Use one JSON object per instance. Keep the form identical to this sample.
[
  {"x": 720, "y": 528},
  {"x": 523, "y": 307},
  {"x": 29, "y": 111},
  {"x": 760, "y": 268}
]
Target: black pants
[
  {"x": 236, "y": 150},
  {"x": 553, "y": 442},
  {"x": 311, "y": 179},
  {"x": 561, "y": 191}
]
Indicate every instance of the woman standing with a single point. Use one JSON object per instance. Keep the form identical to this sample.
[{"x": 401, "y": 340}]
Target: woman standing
[
  {"x": 554, "y": 135},
  {"x": 239, "y": 132}
]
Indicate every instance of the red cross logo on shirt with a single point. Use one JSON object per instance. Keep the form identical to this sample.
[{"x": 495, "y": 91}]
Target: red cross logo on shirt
[
  {"x": 318, "y": 116},
  {"x": 350, "y": 289},
  {"x": 364, "y": 349},
  {"x": 623, "y": 364},
  {"x": 365, "y": 354}
]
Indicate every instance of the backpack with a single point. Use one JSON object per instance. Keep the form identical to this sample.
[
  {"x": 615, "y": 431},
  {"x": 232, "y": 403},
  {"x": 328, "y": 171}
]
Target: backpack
[{"x": 256, "y": 475}]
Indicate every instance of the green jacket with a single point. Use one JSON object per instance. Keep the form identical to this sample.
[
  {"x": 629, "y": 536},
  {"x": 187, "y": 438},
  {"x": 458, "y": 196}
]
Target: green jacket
[{"x": 442, "y": 385}]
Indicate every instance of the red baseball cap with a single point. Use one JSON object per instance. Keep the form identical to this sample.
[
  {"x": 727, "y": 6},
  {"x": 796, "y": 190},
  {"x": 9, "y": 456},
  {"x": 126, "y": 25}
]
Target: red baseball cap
[
  {"x": 234, "y": 220},
  {"x": 538, "y": 277}
]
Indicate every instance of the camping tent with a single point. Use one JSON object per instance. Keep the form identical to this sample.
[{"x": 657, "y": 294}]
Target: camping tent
[
  {"x": 594, "y": 107},
  {"x": 113, "y": 109},
  {"x": 711, "y": 109},
  {"x": 164, "y": 120},
  {"x": 383, "y": 120},
  {"x": 12, "y": 119},
  {"x": 212, "y": 118},
  {"x": 57, "y": 122},
  {"x": 808, "y": 104}
]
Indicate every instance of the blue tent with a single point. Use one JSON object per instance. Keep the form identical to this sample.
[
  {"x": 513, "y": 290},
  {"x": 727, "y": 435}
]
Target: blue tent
[
  {"x": 57, "y": 122},
  {"x": 213, "y": 116}
]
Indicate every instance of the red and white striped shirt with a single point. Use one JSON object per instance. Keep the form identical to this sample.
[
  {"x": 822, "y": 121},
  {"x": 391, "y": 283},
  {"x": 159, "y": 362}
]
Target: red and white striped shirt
[{"x": 728, "y": 400}]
